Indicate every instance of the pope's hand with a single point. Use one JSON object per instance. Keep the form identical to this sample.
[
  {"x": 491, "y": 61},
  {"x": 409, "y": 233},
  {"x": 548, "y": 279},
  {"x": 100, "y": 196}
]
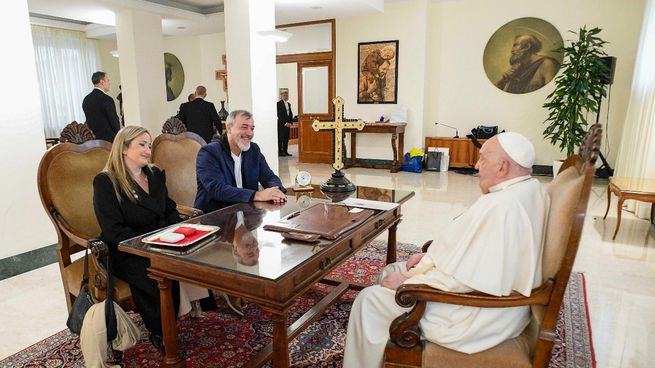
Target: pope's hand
[
  {"x": 414, "y": 260},
  {"x": 393, "y": 280}
]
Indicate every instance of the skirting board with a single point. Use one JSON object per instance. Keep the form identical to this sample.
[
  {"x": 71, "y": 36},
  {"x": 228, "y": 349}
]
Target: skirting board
[{"x": 28, "y": 261}]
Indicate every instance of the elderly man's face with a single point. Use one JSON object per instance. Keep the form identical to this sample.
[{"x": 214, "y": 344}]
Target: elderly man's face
[
  {"x": 285, "y": 96},
  {"x": 489, "y": 164},
  {"x": 520, "y": 50}
]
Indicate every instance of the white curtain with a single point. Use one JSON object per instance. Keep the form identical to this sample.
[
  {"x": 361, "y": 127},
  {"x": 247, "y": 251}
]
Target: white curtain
[
  {"x": 636, "y": 157},
  {"x": 65, "y": 61}
]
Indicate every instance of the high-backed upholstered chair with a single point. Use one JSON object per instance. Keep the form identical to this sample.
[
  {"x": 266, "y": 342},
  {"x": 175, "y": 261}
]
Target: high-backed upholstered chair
[
  {"x": 569, "y": 194},
  {"x": 175, "y": 151},
  {"x": 65, "y": 181}
]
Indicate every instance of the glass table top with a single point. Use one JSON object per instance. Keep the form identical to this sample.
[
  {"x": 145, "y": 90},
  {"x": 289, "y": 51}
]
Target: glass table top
[{"x": 242, "y": 245}]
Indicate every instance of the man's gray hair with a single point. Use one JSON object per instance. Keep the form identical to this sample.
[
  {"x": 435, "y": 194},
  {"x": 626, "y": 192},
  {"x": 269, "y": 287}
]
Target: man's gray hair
[{"x": 233, "y": 116}]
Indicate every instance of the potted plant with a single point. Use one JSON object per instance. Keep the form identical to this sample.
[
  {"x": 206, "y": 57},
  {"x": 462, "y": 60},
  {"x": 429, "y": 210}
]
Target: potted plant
[{"x": 578, "y": 90}]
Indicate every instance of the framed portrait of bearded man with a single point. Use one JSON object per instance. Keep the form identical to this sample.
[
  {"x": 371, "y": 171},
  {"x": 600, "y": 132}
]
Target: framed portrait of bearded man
[
  {"x": 378, "y": 72},
  {"x": 520, "y": 56}
]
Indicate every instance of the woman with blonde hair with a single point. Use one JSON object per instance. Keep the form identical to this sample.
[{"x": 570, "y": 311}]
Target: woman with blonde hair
[{"x": 130, "y": 199}]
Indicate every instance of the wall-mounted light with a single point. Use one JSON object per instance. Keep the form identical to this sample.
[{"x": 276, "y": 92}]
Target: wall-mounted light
[
  {"x": 277, "y": 35},
  {"x": 114, "y": 53}
]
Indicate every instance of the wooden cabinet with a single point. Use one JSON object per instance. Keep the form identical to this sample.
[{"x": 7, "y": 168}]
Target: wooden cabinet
[{"x": 461, "y": 150}]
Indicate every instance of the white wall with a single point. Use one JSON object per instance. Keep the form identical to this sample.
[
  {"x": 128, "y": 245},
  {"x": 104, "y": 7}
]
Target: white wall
[
  {"x": 24, "y": 225},
  {"x": 455, "y": 89},
  {"x": 405, "y": 22},
  {"x": 201, "y": 57},
  {"x": 212, "y": 49}
]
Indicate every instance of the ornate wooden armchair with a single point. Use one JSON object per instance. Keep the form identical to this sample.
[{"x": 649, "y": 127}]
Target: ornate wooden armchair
[
  {"x": 175, "y": 151},
  {"x": 569, "y": 193},
  {"x": 65, "y": 181}
]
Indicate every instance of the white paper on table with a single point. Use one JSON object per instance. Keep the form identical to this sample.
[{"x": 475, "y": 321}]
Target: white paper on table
[{"x": 367, "y": 203}]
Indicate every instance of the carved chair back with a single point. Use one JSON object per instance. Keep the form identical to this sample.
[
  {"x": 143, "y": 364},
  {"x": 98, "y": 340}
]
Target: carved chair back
[
  {"x": 569, "y": 193},
  {"x": 65, "y": 182},
  {"x": 175, "y": 151}
]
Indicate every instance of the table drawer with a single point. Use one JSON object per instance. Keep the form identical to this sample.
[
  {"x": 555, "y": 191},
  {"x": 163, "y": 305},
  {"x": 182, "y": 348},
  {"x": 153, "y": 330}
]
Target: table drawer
[
  {"x": 318, "y": 267},
  {"x": 377, "y": 225}
]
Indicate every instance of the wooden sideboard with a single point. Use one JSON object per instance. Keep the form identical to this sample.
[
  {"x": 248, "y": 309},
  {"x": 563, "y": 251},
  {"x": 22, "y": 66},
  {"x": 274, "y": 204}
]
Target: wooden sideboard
[{"x": 461, "y": 150}]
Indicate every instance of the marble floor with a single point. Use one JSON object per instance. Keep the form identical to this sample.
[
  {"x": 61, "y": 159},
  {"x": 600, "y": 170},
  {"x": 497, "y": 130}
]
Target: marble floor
[{"x": 620, "y": 273}]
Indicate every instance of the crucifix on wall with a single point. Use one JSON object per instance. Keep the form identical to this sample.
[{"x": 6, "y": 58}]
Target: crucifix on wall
[
  {"x": 222, "y": 75},
  {"x": 338, "y": 126}
]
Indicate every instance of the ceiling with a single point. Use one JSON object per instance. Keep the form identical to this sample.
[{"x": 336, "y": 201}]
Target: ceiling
[{"x": 184, "y": 17}]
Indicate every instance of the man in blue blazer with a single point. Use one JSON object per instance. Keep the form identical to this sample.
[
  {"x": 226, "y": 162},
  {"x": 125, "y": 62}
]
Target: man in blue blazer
[
  {"x": 100, "y": 109},
  {"x": 229, "y": 170}
]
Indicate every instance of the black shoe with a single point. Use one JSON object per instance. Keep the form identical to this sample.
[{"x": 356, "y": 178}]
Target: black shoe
[
  {"x": 281, "y": 154},
  {"x": 157, "y": 341},
  {"x": 287, "y": 154}
]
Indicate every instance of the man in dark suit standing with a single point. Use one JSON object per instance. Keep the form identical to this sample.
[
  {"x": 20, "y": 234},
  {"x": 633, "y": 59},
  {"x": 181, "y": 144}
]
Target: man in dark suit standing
[
  {"x": 201, "y": 116},
  {"x": 100, "y": 109},
  {"x": 284, "y": 122}
]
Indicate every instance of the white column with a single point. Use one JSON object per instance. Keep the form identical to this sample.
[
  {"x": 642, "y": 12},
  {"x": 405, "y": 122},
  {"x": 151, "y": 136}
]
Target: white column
[
  {"x": 25, "y": 225},
  {"x": 252, "y": 70},
  {"x": 141, "y": 62}
]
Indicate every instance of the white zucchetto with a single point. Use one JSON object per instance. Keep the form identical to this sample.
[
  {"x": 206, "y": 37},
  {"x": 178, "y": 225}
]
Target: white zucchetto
[{"x": 518, "y": 147}]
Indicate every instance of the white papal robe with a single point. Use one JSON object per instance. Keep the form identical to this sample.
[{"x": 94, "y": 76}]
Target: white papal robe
[{"x": 494, "y": 247}]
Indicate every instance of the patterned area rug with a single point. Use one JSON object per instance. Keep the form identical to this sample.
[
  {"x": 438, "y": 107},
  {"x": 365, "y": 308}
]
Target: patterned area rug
[{"x": 222, "y": 339}]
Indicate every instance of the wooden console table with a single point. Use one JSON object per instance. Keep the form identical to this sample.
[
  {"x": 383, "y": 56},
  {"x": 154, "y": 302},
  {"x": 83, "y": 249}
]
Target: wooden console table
[
  {"x": 627, "y": 188},
  {"x": 397, "y": 131},
  {"x": 462, "y": 152}
]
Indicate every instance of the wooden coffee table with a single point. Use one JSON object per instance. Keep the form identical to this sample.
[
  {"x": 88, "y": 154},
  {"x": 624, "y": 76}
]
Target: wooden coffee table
[
  {"x": 284, "y": 270},
  {"x": 630, "y": 188}
]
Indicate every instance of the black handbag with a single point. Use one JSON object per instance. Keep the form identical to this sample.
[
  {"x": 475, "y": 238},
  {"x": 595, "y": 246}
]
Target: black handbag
[
  {"x": 484, "y": 132},
  {"x": 83, "y": 302}
]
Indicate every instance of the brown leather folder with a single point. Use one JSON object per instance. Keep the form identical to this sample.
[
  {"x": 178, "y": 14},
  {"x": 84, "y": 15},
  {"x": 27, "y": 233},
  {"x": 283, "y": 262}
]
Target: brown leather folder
[{"x": 327, "y": 220}]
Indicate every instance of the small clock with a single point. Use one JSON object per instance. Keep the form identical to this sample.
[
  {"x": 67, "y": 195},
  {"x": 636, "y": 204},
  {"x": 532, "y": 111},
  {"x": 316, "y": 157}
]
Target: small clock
[
  {"x": 304, "y": 200},
  {"x": 303, "y": 182}
]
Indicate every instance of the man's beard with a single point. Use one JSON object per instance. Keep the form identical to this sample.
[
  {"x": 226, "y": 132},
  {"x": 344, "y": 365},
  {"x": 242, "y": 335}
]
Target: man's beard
[
  {"x": 242, "y": 146},
  {"x": 517, "y": 58}
]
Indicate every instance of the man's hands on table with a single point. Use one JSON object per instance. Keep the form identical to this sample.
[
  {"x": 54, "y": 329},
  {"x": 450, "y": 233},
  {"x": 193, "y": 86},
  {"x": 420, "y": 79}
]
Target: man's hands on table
[{"x": 273, "y": 194}]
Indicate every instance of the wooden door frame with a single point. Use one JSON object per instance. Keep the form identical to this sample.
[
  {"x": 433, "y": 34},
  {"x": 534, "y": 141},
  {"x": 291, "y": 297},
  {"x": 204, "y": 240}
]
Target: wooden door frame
[{"x": 313, "y": 59}]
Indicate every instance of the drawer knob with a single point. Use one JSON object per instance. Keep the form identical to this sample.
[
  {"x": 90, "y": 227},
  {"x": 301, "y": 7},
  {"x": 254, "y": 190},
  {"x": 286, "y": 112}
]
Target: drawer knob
[
  {"x": 326, "y": 262},
  {"x": 379, "y": 223}
]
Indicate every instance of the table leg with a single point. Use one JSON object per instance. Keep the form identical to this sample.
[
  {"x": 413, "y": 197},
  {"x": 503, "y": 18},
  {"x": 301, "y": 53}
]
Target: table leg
[
  {"x": 609, "y": 199},
  {"x": 280, "y": 340},
  {"x": 391, "y": 244},
  {"x": 172, "y": 358},
  {"x": 353, "y": 148},
  {"x": 618, "y": 215},
  {"x": 652, "y": 207},
  {"x": 394, "y": 164}
]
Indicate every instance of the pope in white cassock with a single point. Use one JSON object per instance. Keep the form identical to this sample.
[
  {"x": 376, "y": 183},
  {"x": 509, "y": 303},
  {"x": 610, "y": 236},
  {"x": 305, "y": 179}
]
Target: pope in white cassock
[{"x": 494, "y": 247}]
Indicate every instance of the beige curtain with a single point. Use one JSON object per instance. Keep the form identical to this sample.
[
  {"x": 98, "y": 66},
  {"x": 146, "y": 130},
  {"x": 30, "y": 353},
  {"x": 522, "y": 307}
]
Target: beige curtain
[{"x": 636, "y": 157}]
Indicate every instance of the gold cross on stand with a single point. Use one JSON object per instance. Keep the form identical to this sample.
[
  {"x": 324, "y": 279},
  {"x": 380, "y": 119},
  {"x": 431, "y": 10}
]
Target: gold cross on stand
[{"x": 338, "y": 126}]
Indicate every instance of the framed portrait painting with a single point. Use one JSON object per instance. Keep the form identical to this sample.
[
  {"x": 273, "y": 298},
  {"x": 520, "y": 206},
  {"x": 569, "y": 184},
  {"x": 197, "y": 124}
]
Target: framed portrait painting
[
  {"x": 378, "y": 72},
  {"x": 520, "y": 56},
  {"x": 174, "y": 76}
]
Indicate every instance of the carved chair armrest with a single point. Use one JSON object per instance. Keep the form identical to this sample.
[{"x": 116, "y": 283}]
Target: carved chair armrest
[
  {"x": 404, "y": 331},
  {"x": 425, "y": 246},
  {"x": 100, "y": 252},
  {"x": 188, "y": 212}
]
